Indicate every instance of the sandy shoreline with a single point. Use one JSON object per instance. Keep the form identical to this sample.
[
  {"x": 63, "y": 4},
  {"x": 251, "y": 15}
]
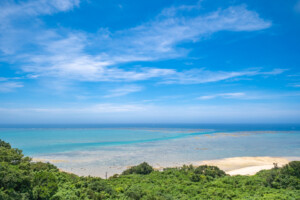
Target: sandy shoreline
[
  {"x": 248, "y": 165},
  {"x": 243, "y": 165},
  {"x": 232, "y": 166}
]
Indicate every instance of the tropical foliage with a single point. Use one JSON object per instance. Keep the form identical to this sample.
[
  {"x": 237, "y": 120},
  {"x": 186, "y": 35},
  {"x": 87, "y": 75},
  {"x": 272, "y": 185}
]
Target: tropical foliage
[{"x": 21, "y": 179}]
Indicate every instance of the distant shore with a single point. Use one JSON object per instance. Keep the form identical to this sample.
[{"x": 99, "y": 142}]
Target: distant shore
[{"x": 232, "y": 166}]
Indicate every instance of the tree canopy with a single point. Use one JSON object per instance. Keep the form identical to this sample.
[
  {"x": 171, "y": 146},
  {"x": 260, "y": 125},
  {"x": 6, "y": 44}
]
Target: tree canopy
[{"x": 22, "y": 179}]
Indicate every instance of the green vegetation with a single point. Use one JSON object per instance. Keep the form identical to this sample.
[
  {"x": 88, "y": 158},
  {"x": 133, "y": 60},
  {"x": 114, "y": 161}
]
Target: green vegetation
[
  {"x": 143, "y": 169},
  {"x": 22, "y": 179}
]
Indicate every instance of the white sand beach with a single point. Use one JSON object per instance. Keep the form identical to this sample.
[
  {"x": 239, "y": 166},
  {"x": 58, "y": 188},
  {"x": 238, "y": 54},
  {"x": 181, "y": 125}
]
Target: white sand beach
[
  {"x": 241, "y": 165},
  {"x": 232, "y": 166},
  {"x": 247, "y": 165}
]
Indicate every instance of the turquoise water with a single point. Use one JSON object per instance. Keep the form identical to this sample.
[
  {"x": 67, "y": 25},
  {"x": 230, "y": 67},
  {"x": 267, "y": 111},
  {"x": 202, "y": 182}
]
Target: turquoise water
[
  {"x": 97, "y": 150},
  {"x": 35, "y": 141},
  {"x": 50, "y": 140}
]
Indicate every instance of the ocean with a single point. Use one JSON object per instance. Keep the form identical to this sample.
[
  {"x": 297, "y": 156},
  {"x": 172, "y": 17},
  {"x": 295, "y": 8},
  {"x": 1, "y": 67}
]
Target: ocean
[{"x": 97, "y": 149}]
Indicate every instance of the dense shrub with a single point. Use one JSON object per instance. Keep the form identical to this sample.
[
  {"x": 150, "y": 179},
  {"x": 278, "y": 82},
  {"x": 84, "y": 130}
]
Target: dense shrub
[
  {"x": 143, "y": 168},
  {"x": 211, "y": 171},
  {"x": 21, "y": 179},
  {"x": 10, "y": 155},
  {"x": 44, "y": 185},
  {"x": 292, "y": 169}
]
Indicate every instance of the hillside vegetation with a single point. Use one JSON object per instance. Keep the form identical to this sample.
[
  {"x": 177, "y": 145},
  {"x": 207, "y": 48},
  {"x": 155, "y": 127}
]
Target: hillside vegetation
[{"x": 22, "y": 179}]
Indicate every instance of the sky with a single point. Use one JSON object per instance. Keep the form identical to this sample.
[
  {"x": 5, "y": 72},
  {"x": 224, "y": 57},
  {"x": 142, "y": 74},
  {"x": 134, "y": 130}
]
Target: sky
[{"x": 117, "y": 61}]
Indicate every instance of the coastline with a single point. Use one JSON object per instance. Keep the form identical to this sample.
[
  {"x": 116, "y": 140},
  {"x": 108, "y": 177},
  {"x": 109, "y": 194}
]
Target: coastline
[
  {"x": 243, "y": 165},
  {"x": 232, "y": 165}
]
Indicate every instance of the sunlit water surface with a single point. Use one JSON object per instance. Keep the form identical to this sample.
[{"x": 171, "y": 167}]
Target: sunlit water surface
[{"x": 97, "y": 150}]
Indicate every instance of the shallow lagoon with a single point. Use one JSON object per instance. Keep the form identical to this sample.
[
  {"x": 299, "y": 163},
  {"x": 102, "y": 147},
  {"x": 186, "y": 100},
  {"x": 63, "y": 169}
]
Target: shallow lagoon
[{"x": 95, "y": 151}]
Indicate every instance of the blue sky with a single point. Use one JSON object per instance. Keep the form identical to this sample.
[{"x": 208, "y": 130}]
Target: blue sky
[{"x": 209, "y": 61}]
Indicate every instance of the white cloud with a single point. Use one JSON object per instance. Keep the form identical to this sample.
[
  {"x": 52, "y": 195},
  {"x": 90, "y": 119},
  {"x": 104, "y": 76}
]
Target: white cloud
[
  {"x": 198, "y": 76},
  {"x": 254, "y": 95},
  {"x": 274, "y": 72},
  {"x": 295, "y": 85},
  {"x": 20, "y": 26},
  {"x": 122, "y": 91},
  {"x": 158, "y": 38},
  {"x": 97, "y": 108},
  {"x": 223, "y": 95},
  {"x": 63, "y": 54},
  {"x": 35, "y": 7},
  {"x": 65, "y": 58},
  {"x": 28, "y": 76},
  {"x": 111, "y": 108},
  {"x": 9, "y": 86}
]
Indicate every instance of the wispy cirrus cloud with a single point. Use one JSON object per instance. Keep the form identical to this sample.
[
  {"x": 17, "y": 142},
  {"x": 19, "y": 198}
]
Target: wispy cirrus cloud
[
  {"x": 63, "y": 54},
  {"x": 20, "y": 26},
  {"x": 11, "y": 9},
  {"x": 223, "y": 95},
  {"x": 296, "y": 85},
  {"x": 10, "y": 86},
  {"x": 160, "y": 36},
  {"x": 28, "y": 76},
  {"x": 96, "y": 108},
  {"x": 198, "y": 76},
  {"x": 251, "y": 95},
  {"x": 122, "y": 91},
  {"x": 73, "y": 64},
  {"x": 65, "y": 58}
]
